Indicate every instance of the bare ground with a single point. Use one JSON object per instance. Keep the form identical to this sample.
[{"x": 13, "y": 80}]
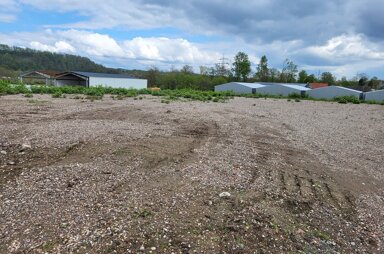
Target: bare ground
[{"x": 139, "y": 176}]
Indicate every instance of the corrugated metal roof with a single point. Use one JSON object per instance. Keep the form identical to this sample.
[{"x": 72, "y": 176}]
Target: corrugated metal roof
[
  {"x": 339, "y": 87},
  {"x": 297, "y": 87},
  {"x": 275, "y": 83},
  {"x": 100, "y": 75},
  {"x": 250, "y": 85}
]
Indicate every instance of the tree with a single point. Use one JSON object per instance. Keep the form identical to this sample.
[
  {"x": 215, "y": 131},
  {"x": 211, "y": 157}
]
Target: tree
[
  {"x": 262, "y": 71},
  {"x": 152, "y": 76},
  {"x": 374, "y": 83},
  {"x": 289, "y": 72},
  {"x": 327, "y": 77},
  {"x": 187, "y": 69},
  {"x": 241, "y": 66},
  {"x": 303, "y": 76},
  {"x": 274, "y": 75}
]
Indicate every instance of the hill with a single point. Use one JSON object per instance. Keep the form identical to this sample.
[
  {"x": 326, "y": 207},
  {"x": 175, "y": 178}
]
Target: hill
[{"x": 14, "y": 60}]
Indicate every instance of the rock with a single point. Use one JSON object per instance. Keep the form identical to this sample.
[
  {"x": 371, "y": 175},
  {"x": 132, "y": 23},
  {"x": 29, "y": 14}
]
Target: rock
[
  {"x": 225, "y": 195},
  {"x": 3, "y": 152},
  {"x": 25, "y": 147},
  {"x": 142, "y": 247},
  {"x": 11, "y": 163},
  {"x": 153, "y": 248},
  {"x": 300, "y": 231}
]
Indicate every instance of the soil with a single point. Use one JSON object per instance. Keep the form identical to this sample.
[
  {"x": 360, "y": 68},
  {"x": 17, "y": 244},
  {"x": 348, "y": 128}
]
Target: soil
[{"x": 141, "y": 176}]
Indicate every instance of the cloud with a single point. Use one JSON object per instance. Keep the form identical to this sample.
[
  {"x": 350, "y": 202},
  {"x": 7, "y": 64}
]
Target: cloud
[
  {"x": 59, "y": 47},
  {"x": 153, "y": 50},
  {"x": 8, "y": 11}
]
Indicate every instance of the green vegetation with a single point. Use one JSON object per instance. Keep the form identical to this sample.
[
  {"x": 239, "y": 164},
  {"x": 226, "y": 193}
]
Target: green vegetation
[
  {"x": 97, "y": 93},
  {"x": 322, "y": 235},
  {"x": 348, "y": 99}
]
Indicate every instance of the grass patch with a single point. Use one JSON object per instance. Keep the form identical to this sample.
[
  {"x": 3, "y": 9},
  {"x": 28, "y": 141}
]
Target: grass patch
[
  {"x": 37, "y": 101},
  {"x": 322, "y": 235}
]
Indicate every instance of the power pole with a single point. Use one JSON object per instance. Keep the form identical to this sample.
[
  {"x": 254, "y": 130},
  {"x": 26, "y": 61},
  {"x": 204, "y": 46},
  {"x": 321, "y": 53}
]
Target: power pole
[{"x": 221, "y": 67}]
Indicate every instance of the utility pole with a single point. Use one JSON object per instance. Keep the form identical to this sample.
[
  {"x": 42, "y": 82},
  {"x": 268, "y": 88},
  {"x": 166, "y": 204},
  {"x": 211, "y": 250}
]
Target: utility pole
[{"x": 222, "y": 66}]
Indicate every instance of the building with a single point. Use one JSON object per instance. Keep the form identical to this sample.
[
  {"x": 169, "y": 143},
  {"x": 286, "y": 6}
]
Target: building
[
  {"x": 377, "y": 96},
  {"x": 239, "y": 87},
  {"x": 90, "y": 79},
  {"x": 275, "y": 83},
  {"x": 317, "y": 85},
  {"x": 280, "y": 89},
  {"x": 330, "y": 92},
  {"x": 39, "y": 77}
]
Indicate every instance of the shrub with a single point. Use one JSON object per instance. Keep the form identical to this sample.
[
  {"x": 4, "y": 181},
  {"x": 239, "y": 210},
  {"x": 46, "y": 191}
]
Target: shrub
[{"x": 57, "y": 94}]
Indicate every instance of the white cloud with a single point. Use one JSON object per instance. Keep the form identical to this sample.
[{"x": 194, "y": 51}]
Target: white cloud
[
  {"x": 154, "y": 50},
  {"x": 58, "y": 47},
  {"x": 352, "y": 47},
  {"x": 8, "y": 11}
]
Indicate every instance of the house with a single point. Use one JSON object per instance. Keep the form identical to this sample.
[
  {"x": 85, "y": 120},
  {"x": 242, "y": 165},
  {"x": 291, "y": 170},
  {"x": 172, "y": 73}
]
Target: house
[
  {"x": 330, "y": 92},
  {"x": 239, "y": 87},
  {"x": 91, "y": 79},
  {"x": 377, "y": 96}
]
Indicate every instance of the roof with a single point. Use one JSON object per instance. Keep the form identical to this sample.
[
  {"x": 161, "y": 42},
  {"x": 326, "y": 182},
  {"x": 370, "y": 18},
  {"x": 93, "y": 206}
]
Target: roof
[
  {"x": 297, "y": 87},
  {"x": 317, "y": 85},
  {"x": 275, "y": 83},
  {"x": 100, "y": 75},
  {"x": 44, "y": 73},
  {"x": 339, "y": 87},
  {"x": 250, "y": 85}
]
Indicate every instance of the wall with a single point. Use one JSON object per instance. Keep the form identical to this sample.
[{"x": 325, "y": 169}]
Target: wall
[
  {"x": 375, "y": 96},
  {"x": 331, "y": 92},
  {"x": 235, "y": 87},
  {"x": 278, "y": 90},
  {"x": 68, "y": 82},
  {"x": 118, "y": 82}
]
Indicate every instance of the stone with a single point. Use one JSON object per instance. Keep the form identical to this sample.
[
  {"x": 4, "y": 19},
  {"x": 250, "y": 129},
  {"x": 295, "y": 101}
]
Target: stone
[
  {"x": 25, "y": 147},
  {"x": 3, "y": 152},
  {"x": 225, "y": 195}
]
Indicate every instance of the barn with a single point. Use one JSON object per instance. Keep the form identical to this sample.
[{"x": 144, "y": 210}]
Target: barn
[
  {"x": 39, "y": 77},
  {"x": 239, "y": 87},
  {"x": 283, "y": 89},
  {"x": 330, "y": 92},
  {"x": 91, "y": 79},
  {"x": 377, "y": 96}
]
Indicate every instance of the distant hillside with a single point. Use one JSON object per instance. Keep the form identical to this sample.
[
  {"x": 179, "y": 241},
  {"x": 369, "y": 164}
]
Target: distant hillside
[{"x": 14, "y": 60}]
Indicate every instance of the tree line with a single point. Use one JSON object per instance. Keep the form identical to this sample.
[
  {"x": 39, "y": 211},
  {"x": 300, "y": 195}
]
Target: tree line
[{"x": 14, "y": 60}]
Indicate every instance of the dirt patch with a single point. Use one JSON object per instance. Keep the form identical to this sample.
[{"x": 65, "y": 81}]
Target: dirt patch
[{"x": 141, "y": 176}]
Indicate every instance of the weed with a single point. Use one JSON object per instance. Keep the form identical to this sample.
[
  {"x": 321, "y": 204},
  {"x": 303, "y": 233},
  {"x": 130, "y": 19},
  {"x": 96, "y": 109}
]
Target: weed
[
  {"x": 297, "y": 100},
  {"x": 48, "y": 246},
  {"x": 37, "y": 101},
  {"x": 28, "y": 95},
  {"x": 322, "y": 235},
  {"x": 143, "y": 213},
  {"x": 57, "y": 94}
]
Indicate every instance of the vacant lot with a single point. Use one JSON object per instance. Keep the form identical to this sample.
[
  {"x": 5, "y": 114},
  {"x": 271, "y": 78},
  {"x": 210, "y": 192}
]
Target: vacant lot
[{"x": 142, "y": 176}]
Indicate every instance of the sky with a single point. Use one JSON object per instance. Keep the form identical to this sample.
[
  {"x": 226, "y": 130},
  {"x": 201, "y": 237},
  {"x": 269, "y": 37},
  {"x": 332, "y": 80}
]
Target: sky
[{"x": 344, "y": 37}]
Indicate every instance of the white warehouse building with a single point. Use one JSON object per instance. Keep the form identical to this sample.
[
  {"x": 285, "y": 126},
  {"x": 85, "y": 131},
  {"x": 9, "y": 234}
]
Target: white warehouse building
[
  {"x": 263, "y": 88},
  {"x": 91, "y": 79},
  {"x": 239, "y": 87},
  {"x": 377, "y": 96},
  {"x": 330, "y": 92},
  {"x": 283, "y": 89}
]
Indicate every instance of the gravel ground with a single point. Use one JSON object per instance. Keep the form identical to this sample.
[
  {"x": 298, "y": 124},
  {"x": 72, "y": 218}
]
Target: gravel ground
[{"x": 140, "y": 176}]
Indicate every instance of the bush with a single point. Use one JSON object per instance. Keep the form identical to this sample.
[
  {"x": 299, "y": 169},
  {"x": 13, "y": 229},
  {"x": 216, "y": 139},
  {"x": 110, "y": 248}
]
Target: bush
[
  {"x": 57, "y": 94},
  {"x": 347, "y": 99}
]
